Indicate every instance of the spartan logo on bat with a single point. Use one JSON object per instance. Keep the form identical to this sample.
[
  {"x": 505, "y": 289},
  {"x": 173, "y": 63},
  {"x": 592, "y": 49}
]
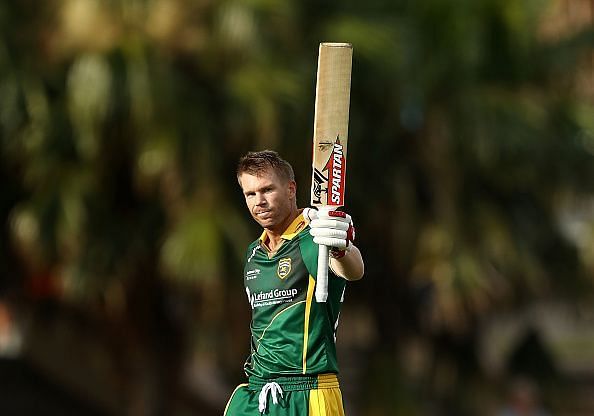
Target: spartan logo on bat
[{"x": 331, "y": 184}]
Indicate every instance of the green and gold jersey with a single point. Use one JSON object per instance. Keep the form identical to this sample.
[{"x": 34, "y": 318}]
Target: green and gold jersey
[{"x": 292, "y": 334}]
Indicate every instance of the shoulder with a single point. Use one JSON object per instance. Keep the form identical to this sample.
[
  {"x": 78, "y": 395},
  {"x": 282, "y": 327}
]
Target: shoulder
[
  {"x": 254, "y": 245},
  {"x": 304, "y": 237}
]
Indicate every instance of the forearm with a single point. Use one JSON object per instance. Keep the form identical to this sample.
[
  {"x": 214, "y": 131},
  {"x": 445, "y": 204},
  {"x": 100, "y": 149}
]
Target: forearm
[{"x": 350, "y": 266}]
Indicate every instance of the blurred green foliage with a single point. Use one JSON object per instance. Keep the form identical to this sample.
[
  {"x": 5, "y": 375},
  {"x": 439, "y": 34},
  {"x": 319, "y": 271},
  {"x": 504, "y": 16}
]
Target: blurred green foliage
[{"x": 471, "y": 158}]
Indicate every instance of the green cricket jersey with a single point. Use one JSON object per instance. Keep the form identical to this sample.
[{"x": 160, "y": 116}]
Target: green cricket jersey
[{"x": 292, "y": 334}]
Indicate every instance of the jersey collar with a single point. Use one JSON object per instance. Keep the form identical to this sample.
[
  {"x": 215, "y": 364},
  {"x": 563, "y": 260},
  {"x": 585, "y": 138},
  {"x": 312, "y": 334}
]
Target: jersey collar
[{"x": 292, "y": 230}]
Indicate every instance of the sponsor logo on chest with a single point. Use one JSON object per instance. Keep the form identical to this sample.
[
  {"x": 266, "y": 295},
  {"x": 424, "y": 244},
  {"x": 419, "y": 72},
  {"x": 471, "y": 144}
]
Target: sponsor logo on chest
[{"x": 271, "y": 297}]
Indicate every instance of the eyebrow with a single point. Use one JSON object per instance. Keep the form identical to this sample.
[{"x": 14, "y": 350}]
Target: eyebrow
[{"x": 260, "y": 189}]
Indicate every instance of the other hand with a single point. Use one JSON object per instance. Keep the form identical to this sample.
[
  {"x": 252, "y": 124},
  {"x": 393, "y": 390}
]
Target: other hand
[{"x": 334, "y": 229}]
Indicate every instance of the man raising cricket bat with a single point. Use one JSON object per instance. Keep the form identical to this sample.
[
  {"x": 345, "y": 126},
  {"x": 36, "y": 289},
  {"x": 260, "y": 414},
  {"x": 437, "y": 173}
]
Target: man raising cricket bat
[{"x": 292, "y": 368}]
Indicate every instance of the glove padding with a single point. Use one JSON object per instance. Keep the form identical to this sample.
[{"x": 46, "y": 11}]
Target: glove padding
[{"x": 331, "y": 228}]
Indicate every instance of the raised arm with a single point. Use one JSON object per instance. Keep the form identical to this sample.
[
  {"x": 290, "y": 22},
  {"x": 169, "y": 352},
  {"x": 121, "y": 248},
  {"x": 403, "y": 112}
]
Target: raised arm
[{"x": 335, "y": 229}]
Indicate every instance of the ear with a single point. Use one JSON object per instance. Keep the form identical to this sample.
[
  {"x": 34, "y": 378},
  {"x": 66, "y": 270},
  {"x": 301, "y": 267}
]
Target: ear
[{"x": 292, "y": 186}]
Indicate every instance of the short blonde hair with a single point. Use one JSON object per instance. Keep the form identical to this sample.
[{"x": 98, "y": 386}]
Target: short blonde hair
[{"x": 257, "y": 163}]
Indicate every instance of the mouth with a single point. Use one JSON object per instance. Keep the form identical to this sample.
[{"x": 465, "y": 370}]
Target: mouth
[{"x": 263, "y": 214}]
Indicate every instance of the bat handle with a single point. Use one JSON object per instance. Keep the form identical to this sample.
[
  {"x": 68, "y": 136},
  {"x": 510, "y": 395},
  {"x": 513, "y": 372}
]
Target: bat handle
[{"x": 322, "y": 276}]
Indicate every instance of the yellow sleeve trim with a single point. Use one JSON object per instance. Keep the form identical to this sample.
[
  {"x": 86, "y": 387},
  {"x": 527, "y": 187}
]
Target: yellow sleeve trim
[{"x": 308, "y": 300}]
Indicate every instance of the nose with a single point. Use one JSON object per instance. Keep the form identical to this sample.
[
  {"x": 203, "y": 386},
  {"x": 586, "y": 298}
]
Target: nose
[{"x": 260, "y": 200}]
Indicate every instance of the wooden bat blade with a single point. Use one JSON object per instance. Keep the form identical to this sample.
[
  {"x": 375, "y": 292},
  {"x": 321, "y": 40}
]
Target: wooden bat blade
[
  {"x": 331, "y": 121},
  {"x": 330, "y": 138}
]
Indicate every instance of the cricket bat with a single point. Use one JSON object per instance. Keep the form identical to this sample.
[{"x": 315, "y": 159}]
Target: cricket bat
[{"x": 331, "y": 122}]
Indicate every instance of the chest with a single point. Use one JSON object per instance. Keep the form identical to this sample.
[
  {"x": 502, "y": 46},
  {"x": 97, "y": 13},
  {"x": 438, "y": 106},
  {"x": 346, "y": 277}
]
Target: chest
[{"x": 276, "y": 280}]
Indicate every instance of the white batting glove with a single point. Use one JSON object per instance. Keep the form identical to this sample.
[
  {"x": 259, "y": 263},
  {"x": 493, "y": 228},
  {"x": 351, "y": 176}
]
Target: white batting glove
[{"x": 331, "y": 228}]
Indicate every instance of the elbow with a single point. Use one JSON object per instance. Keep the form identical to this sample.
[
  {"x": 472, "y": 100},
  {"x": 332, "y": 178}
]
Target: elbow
[{"x": 357, "y": 274}]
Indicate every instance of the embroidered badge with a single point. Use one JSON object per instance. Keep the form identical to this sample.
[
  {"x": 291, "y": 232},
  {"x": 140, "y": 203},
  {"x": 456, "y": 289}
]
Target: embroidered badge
[{"x": 284, "y": 267}]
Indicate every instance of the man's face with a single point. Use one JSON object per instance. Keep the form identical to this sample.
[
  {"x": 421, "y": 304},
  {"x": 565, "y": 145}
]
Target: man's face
[{"x": 269, "y": 198}]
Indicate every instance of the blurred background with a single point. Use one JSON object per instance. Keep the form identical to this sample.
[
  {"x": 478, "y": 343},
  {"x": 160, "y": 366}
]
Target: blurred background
[{"x": 471, "y": 181}]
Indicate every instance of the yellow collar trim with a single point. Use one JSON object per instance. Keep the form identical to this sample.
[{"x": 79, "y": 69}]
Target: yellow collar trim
[{"x": 292, "y": 230}]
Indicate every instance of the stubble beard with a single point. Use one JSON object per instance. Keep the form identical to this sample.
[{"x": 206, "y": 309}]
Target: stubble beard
[{"x": 277, "y": 220}]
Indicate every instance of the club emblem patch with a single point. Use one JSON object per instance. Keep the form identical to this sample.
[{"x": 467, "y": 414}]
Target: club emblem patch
[{"x": 284, "y": 267}]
